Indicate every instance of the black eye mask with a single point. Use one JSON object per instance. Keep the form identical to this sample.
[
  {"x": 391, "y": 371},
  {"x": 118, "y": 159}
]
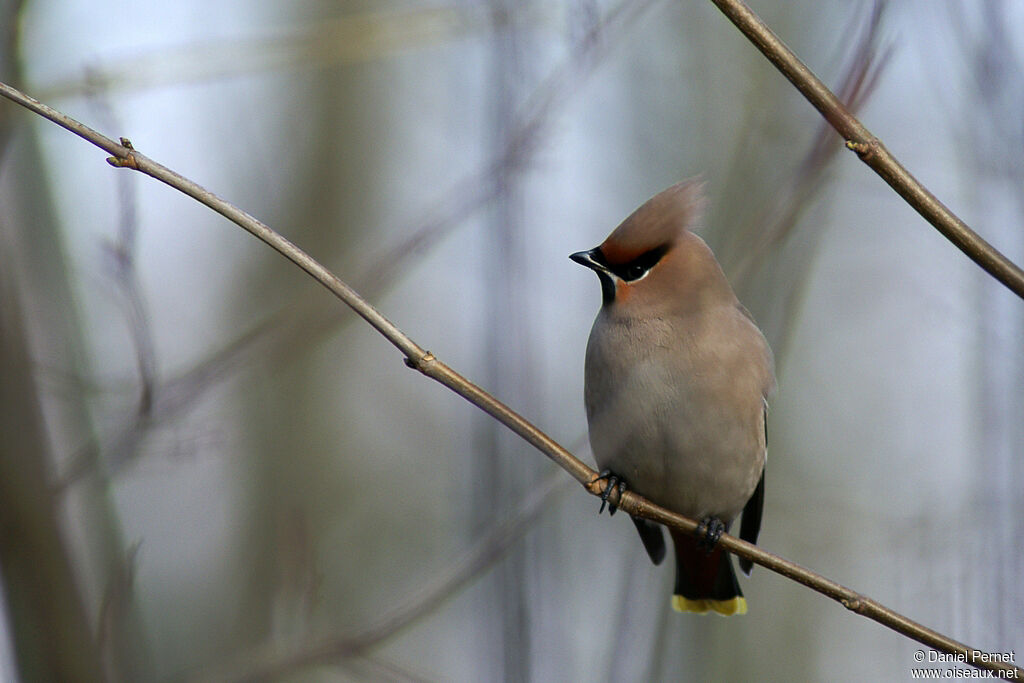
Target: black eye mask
[{"x": 635, "y": 269}]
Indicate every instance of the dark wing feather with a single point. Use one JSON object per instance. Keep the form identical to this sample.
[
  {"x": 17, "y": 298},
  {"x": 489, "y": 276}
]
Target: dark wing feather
[
  {"x": 653, "y": 539},
  {"x": 750, "y": 526}
]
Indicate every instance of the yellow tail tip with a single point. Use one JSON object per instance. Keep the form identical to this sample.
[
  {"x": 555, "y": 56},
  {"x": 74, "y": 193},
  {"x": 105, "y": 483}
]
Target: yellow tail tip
[{"x": 737, "y": 605}]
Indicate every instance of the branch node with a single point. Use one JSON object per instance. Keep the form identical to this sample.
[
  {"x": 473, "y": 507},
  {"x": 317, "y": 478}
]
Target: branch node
[
  {"x": 853, "y": 604},
  {"x": 420, "y": 363},
  {"x": 126, "y": 160},
  {"x": 865, "y": 150}
]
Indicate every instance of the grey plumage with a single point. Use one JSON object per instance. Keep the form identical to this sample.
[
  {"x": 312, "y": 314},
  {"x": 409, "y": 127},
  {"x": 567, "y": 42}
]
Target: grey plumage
[{"x": 676, "y": 378}]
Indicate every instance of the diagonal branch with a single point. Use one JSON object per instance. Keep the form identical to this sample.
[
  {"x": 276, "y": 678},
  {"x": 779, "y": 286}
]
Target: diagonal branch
[
  {"x": 870, "y": 149},
  {"x": 124, "y": 156}
]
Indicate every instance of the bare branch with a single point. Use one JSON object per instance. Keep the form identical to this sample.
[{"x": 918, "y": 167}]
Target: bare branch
[
  {"x": 870, "y": 149},
  {"x": 124, "y": 156}
]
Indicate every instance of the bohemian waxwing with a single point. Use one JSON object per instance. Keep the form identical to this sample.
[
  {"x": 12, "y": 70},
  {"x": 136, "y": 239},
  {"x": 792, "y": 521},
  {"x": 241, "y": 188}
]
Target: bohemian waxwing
[{"x": 675, "y": 383}]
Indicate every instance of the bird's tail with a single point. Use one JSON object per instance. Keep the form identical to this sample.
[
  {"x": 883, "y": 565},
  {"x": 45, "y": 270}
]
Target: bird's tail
[{"x": 705, "y": 582}]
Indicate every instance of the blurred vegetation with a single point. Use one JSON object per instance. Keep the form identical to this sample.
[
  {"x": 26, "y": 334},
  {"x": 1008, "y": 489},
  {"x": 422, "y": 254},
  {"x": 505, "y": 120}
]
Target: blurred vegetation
[{"x": 210, "y": 471}]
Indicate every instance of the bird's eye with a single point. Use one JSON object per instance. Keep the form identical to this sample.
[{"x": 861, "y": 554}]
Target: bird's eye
[
  {"x": 635, "y": 271},
  {"x": 640, "y": 266}
]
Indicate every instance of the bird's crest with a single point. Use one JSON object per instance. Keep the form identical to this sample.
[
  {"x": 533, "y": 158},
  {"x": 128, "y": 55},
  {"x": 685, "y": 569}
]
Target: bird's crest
[{"x": 658, "y": 223}]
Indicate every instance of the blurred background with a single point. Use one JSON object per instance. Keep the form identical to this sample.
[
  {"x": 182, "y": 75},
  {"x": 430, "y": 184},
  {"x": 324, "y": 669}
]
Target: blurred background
[{"x": 210, "y": 470}]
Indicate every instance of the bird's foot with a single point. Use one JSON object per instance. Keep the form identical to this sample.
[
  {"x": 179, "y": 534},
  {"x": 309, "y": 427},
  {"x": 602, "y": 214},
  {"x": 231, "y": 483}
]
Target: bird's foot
[
  {"x": 709, "y": 530},
  {"x": 614, "y": 481}
]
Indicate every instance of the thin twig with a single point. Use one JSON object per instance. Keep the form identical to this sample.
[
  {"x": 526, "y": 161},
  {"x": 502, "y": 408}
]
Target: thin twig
[
  {"x": 270, "y": 661},
  {"x": 124, "y": 156},
  {"x": 870, "y": 149}
]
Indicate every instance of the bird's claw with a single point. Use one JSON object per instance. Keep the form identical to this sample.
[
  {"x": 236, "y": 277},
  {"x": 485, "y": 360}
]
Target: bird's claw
[
  {"x": 709, "y": 530},
  {"x": 614, "y": 481}
]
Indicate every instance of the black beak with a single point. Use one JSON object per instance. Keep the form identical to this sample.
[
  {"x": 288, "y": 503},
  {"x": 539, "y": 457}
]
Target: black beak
[
  {"x": 591, "y": 259},
  {"x": 594, "y": 260}
]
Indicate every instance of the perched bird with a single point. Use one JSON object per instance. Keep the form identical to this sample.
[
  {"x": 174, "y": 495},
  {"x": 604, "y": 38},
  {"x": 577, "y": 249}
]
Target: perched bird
[{"x": 676, "y": 379}]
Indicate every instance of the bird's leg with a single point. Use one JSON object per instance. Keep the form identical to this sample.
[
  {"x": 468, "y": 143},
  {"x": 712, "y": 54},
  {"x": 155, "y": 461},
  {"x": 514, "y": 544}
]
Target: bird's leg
[
  {"x": 709, "y": 530},
  {"x": 614, "y": 481}
]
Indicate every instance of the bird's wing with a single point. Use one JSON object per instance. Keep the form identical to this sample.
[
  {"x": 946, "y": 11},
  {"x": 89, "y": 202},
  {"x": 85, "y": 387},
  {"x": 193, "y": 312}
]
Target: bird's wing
[{"x": 750, "y": 525}]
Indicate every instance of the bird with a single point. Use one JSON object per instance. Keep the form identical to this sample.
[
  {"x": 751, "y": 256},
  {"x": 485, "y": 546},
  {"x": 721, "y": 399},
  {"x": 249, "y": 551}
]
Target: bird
[{"x": 676, "y": 383}]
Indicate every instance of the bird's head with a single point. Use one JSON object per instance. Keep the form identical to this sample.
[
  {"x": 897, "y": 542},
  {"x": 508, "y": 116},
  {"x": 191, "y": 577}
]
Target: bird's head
[{"x": 652, "y": 264}]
